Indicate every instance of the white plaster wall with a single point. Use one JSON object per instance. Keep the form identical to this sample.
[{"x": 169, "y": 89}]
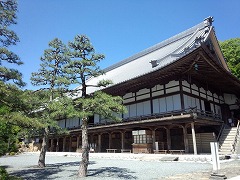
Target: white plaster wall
[
  {"x": 230, "y": 98},
  {"x": 173, "y": 89},
  {"x": 172, "y": 83},
  {"x": 129, "y": 100},
  {"x": 185, "y": 83},
  {"x": 157, "y": 93},
  {"x": 128, "y": 95},
  {"x": 145, "y": 96},
  {"x": 143, "y": 91}
]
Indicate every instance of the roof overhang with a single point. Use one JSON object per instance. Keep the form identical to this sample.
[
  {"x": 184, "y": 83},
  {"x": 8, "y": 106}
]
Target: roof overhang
[{"x": 209, "y": 73}]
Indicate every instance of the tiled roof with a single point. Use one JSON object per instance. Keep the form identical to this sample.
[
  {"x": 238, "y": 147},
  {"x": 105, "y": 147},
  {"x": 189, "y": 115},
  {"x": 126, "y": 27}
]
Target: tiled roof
[{"x": 161, "y": 55}]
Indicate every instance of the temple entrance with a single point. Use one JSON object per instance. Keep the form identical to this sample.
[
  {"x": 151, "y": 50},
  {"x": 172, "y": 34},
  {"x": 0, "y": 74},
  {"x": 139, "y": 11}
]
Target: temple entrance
[
  {"x": 161, "y": 138},
  {"x": 177, "y": 141},
  {"x": 104, "y": 142},
  {"x": 116, "y": 140}
]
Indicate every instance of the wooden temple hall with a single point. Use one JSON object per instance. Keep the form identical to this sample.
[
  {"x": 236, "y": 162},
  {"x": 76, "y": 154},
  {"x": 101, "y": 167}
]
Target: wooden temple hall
[{"x": 178, "y": 94}]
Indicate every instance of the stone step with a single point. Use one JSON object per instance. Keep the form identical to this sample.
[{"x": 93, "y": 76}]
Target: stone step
[
  {"x": 227, "y": 138},
  {"x": 228, "y": 133},
  {"x": 226, "y": 148},
  {"x": 225, "y": 152},
  {"x": 226, "y": 145},
  {"x": 226, "y": 142}
]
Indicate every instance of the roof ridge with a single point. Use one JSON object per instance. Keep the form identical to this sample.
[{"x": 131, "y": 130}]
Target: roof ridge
[{"x": 157, "y": 46}]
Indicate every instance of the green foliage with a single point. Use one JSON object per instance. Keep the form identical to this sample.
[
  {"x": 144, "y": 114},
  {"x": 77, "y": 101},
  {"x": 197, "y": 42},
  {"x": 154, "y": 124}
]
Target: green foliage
[
  {"x": 51, "y": 72},
  {"x": 8, "y": 138},
  {"x": 231, "y": 51},
  {"x": 4, "y": 175},
  {"x": 14, "y": 116},
  {"x": 49, "y": 103},
  {"x": 14, "y": 106},
  {"x": 8, "y": 9},
  {"x": 103, "y": 104},
  {"x": 84, "y": 65}
]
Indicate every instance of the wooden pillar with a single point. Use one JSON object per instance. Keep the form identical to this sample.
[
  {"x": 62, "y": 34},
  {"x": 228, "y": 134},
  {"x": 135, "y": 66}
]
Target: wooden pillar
[
  {"x": 57, "y": 145},
  {"x": 185, "y": 138},
  {"x": 153, "y": 139},
  {"x": 194, "y": 139},
  {"x": 110, "y": 140},
  {"x": 78, "y": 139},
  {"x": 168, "y": 138},
  {"x": 92, "y": 141},
  {"x": 70, "y": 143},
  {"x": 123, "y": 140},
  {"x": 51, "y": 147},
  {"x": 99, "y": 142},
  {"x": 64, "y": 144},
  {"x": 181, "y": 95}
]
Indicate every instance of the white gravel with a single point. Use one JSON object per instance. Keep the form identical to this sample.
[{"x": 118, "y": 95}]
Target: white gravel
[{"x": 126, "y": 166}]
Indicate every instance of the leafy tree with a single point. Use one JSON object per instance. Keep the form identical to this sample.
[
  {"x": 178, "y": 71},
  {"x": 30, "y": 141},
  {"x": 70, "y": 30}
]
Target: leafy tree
[
  {"x": 52, "y": 78},
  {"x": 83, "y": 65},
  {"x": 14, "y": 116},
  {"x": 8, "y": 9},
  {"x": 231, "y": 51}
]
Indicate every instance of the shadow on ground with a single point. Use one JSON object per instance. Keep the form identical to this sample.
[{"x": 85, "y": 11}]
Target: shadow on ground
[
  {"x": 54, "y": 171},
  {"x": 113, "y": 172},
  {"x": 34, "y": 172}
]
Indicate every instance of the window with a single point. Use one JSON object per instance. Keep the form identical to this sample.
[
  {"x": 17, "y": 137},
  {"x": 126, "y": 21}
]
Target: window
[{"x": 142, "y": 139}]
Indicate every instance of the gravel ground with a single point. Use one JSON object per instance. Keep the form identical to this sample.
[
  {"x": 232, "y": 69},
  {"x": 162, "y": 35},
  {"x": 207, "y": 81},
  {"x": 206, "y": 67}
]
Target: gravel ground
[{"x": 65, "y": 167}]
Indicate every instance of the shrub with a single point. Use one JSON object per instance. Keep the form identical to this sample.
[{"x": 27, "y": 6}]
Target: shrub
[
  {"x": 3, "y": 174},
  {"x": 12, "y": 153}
]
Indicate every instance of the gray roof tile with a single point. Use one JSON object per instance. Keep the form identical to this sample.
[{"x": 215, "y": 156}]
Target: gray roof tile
[{"x": 163, "y": 53}]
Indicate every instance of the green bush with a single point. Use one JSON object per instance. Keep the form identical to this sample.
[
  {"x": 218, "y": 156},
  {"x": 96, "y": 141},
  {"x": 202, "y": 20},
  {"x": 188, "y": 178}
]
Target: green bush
[
  {"x": 3, "y": 174},
  {"x": 3, "y": 148},
  {"x": 12, "y": 153}
]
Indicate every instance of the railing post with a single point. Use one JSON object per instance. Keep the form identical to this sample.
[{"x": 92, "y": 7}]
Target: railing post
[{"x": 236, "y": 137}]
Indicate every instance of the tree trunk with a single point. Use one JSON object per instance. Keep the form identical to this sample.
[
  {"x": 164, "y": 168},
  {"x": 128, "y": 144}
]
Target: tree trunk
[
  {"x": 41, "y": 161},
  {"x": 85, "y": 150}
]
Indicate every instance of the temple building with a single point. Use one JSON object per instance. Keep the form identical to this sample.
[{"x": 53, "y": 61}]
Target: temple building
[{"x": 179, "y": 94}]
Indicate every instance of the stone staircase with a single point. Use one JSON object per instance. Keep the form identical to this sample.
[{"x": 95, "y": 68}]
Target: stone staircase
[{"x": 227, "y": 139}]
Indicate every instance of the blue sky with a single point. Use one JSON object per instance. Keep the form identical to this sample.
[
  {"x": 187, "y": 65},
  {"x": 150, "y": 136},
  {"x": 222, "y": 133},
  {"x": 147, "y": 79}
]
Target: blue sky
[{"x": 117, "y": 28}]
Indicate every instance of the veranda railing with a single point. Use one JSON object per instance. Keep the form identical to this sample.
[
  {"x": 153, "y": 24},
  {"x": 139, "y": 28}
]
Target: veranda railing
[{"x": 236, "y": 137}]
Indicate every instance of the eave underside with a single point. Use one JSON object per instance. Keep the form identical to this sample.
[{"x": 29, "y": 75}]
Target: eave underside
[{"x": 179, "y": 119}]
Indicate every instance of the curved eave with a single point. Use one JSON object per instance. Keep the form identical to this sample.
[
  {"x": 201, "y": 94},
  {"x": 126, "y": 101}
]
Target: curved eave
[{"x": 217, "y": 49}]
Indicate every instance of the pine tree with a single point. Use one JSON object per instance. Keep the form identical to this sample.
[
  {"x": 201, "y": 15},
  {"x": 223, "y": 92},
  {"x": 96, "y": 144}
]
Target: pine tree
[
  {"x": 13, "y": 110},
  {"x": 83, "y": 65},
  {"x": 51, "y": 77},
  {"x": 8, "y": 9}
]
